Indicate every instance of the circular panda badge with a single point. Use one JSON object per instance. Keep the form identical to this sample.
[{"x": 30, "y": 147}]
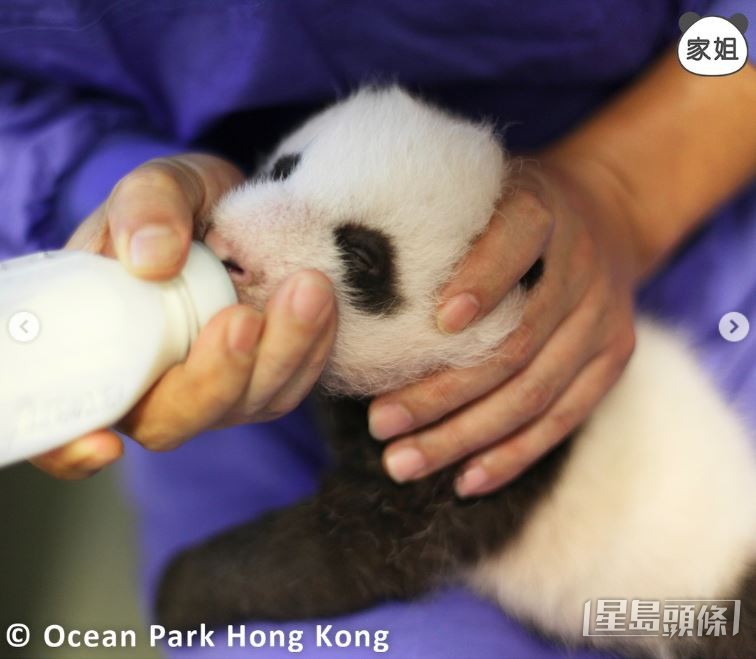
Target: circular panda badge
[{"x": 712, "y": 45}]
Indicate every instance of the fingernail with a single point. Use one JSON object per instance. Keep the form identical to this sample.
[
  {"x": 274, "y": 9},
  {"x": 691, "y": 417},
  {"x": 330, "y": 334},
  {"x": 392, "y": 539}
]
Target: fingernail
[
  {"x": 81, "y": 452},
  {"x": 471, "y": 481},
  {"x": 310, "y": 300},
  {"x": 88, "y": 457},
  {"x": 389, "y": 420},
  {"x": 155, "y": 246},
  {"x": 404, "y": 463},
  {"x": 244, "y": 331},
  {"x": 458, "y": 313}
]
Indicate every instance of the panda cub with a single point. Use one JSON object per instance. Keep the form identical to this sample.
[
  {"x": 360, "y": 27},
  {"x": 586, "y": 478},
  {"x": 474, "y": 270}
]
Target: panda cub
[{"x": 654, "y": 498}]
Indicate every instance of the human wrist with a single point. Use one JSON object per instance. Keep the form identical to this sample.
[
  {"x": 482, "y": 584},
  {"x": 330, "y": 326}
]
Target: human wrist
[
  {"x": 645, "y": 158},
  {"x": 598, "y": 191}
]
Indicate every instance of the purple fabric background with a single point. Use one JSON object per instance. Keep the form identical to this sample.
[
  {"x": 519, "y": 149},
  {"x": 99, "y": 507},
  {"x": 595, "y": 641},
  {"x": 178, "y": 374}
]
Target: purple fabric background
[{"x": 90, "y": 89}]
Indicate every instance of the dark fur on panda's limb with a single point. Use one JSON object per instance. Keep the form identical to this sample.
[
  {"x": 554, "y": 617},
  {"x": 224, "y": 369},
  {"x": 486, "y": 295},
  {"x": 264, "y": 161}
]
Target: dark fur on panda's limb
[{"x": 360, "y": 540}]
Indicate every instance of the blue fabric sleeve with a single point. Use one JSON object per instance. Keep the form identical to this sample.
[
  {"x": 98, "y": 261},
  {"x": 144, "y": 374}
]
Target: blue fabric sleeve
[{"x": 60, "y": 153}]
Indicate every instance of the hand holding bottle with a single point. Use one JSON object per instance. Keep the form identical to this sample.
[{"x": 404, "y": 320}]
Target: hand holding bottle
[{"x": 243, "y": 366}]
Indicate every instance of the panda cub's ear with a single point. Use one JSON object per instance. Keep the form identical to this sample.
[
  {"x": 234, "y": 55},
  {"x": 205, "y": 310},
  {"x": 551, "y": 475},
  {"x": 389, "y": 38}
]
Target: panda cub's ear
[{"x": 284, "y": 166}]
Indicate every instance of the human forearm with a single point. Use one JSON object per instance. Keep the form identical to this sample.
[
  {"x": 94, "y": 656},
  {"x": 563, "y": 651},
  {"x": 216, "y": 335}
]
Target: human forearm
[{"x": 666, "y": 152}]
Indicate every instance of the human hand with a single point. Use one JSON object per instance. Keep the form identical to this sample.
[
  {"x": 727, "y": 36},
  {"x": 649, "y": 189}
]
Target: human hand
[
  {"x": 574, "y": 340},
  {"x": 244, "y": 366}
]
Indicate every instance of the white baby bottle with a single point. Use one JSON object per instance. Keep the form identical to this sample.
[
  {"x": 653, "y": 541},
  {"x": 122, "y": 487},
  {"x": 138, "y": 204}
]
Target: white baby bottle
[{"x": 81, "y": 340}]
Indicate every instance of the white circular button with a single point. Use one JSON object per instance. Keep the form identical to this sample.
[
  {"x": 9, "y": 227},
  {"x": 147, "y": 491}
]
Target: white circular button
[
  {"x": 734, "y": 326},
  {"x": 23, "y": 326}
]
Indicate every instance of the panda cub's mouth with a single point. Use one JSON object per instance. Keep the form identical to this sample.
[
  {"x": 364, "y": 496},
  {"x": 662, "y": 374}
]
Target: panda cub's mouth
[{"x": 233, "y": 267}]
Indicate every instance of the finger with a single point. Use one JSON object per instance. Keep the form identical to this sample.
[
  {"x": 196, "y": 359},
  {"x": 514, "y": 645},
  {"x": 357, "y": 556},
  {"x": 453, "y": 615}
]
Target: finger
[
  {"x": 196, "y": 394},
  {"x": 520, "y": 228},
  {"x": 82, "y": 457},
  {"x": 428, "y": 400},
  {"x": 296, "y": 316},
  {"x": 92, "y": 235},
  {"x": 151, "y": 211},
  {"x": 505, "y": 409},
  {"x": 509, "y": 458},
  {"x": 304, "y": 378}
]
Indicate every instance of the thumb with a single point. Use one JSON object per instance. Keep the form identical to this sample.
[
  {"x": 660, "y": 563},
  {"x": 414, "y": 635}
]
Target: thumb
[{"x": 151, "y": 212}]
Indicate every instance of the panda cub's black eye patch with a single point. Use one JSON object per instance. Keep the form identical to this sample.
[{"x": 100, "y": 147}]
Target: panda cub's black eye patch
[
  {"x": 370, "y": 270},
  {"x": 284, "y": 166}
]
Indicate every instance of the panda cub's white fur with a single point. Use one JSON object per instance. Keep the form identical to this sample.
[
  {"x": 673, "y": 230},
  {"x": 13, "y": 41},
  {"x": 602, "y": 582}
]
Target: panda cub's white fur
[{"x": 663, "y": 457}]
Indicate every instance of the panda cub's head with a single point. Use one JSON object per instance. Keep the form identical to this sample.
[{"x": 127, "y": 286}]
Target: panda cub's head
[{"x": 383, "y": 194}]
